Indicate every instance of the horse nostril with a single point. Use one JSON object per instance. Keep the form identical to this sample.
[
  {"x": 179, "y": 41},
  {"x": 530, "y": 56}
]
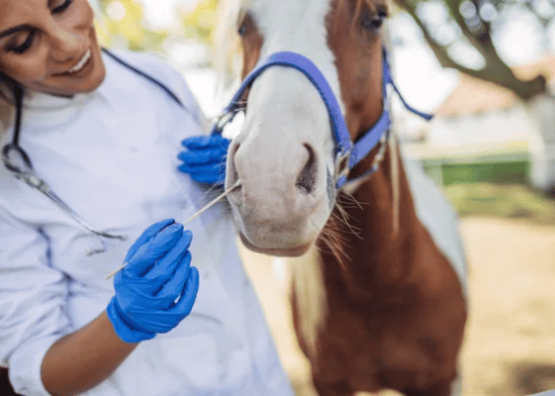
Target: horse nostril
[{"x": 307, "y": 178}]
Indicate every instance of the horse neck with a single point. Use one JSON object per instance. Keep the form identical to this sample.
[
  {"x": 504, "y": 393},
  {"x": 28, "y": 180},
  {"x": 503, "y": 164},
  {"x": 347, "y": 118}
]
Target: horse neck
[{"x": 373, "y": 249}]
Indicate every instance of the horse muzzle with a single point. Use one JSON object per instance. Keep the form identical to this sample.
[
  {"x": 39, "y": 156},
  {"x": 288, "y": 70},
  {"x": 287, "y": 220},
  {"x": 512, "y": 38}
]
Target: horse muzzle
[{"x": 283, "y": 202}]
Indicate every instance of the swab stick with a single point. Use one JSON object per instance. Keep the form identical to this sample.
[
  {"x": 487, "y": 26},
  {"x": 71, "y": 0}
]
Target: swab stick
[{"x": 200, "y": 212}]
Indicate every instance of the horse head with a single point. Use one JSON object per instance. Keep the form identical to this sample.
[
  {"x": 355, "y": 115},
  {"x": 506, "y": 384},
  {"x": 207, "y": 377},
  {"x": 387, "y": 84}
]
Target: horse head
[{"x": 285, "y": 155}]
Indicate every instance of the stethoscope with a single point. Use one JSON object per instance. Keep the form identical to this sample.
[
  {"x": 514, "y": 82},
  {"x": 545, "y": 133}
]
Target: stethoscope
[{"x": 17, "y": 161}]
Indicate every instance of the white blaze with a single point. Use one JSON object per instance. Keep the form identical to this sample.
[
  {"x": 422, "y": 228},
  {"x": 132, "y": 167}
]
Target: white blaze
[{"x": 289, "y": 99}]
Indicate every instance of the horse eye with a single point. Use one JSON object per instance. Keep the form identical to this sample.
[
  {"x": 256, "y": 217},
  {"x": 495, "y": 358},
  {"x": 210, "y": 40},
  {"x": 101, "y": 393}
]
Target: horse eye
[
  {"x": 243, "y": 29},
  {"x": 373, "y": 22}
]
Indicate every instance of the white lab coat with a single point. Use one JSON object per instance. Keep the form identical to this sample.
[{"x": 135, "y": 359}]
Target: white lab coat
[{"x": 112, "y": 156}]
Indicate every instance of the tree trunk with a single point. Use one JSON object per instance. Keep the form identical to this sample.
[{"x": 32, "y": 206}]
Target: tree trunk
[{"x": 541, "y": 109}]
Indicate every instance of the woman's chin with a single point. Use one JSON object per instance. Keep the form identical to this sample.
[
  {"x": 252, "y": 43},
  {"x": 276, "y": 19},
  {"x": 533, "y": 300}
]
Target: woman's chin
[{"x": 276, "y": 252}]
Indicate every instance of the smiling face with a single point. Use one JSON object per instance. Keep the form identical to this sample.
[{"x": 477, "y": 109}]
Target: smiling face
[
  {"x": 50, "y": 46},
  {"x": 284, "y": 155}
]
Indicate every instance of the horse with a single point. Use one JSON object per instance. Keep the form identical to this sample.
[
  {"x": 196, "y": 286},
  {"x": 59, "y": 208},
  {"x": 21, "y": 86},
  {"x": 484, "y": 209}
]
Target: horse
[{"x": 377, "y": 301}]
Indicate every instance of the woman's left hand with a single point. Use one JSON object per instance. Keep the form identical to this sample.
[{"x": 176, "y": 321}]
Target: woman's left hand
[
  {"x": 158, "y": 273},
  {"x": 205, "y": 158}
]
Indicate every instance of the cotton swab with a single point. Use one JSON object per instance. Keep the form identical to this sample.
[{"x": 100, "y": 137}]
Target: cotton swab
[{"x": 200, "y": 212}]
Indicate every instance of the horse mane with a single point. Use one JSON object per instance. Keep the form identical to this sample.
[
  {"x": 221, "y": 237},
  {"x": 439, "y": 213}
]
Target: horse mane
[
  {"x": 306, "y": 275},
  {"x": 227, "y": 59}
]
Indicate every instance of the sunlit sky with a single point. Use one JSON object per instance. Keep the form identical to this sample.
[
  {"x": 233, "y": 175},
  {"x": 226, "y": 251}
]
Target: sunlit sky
[
  {"x": 160, "y": 13},
  {"x": 419, "y": 75}
]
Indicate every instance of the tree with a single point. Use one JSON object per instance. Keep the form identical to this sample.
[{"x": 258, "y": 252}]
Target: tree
[
  {"x": 475, "y": 27},
  {"x": 199, "y": 24},
  {"x": 121, "y": 24},
  {"x": 474, "y": 22}
]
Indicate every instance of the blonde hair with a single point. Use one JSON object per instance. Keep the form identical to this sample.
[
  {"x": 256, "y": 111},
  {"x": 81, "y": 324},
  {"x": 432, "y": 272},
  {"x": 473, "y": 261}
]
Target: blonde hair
[{"x": 6, "y": 110}]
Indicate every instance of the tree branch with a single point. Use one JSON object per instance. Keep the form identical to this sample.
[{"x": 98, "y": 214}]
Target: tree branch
[{"x": 496, "y": 71}]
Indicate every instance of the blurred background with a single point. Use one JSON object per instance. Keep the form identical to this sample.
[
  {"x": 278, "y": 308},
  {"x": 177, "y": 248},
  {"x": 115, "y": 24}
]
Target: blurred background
[{"x": 486, "y": 68}]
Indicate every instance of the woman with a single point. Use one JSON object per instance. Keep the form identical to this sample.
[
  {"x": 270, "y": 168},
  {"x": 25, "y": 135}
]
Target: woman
[{"x": 103, "y": 131}]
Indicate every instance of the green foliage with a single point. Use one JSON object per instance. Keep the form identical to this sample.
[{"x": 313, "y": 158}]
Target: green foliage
[
  {"x": 491, "y": 172},
  {"x": 128, "y": 29},
  {"x": 200, "y": 23},
  {"x": 474, "y": 23},
  {"x": 503, "y": 201},
  {"x": 121, "y": 24}
]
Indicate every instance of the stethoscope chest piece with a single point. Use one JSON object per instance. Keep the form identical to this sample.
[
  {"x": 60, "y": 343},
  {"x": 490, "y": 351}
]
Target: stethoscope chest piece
[{"x": 19, "y": 163}]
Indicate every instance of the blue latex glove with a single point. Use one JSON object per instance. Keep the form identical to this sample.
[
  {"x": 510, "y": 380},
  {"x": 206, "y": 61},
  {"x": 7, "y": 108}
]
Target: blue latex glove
[
  {"x": 205, "y": 158},
  {"x": 158, "y": 272}
]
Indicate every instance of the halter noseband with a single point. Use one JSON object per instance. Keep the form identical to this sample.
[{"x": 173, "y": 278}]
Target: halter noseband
[{"x": 347, "y": 153}]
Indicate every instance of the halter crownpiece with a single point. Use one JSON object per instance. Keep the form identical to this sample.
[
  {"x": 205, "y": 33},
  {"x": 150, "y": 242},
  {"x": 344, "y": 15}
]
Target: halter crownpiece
[{"x": 347, "y": 153}]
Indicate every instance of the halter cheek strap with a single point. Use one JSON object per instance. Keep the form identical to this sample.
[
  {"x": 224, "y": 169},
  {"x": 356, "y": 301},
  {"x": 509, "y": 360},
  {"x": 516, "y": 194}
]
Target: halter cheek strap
[
  {"x": 304, "y": 65},
  {"x": 347, "y": 153}
]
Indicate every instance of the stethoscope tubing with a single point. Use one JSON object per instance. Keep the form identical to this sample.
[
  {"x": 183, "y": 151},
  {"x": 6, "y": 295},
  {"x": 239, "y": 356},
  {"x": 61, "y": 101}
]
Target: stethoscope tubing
[{"x": 23, "y": 169}]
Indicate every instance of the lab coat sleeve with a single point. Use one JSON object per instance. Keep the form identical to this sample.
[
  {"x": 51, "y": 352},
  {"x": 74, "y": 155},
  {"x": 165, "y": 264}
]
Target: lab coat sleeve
[{"x": 32, "y": 299}]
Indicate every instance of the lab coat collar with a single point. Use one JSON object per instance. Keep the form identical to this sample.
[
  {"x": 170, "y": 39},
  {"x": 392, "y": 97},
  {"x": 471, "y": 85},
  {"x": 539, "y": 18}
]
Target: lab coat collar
[{"x": 44, "y": 111}]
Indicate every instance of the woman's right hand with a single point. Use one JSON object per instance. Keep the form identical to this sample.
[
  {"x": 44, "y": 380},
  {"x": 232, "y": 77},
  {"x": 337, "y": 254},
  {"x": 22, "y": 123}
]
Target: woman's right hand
[
  {"x": 157, "y": 288},
  {"x": 205, "y": 158}
]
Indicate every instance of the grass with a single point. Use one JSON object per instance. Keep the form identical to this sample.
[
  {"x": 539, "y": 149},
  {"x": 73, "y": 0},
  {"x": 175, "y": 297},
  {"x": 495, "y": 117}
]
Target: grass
[
  {"x": 492, "y": 172},
  {"x": 503, "y": 201},
  {"x": 515, "y": 172}
]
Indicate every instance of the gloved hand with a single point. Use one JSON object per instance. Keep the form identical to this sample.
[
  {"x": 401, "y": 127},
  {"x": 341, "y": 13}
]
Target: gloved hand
[
  {"x": 157, "y": 274},
  {"x": 205, "y": 158}
]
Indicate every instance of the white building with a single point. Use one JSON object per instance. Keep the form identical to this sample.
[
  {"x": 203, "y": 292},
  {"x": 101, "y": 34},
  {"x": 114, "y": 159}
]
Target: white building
[{"x": 480, "y": 118}]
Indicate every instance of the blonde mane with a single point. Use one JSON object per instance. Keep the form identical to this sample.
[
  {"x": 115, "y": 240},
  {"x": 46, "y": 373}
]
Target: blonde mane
[{"x": 227, "y": 54}]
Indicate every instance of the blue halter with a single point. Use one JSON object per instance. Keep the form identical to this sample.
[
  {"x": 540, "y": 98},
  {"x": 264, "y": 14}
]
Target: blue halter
[{"x": 347, "y": 153}]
